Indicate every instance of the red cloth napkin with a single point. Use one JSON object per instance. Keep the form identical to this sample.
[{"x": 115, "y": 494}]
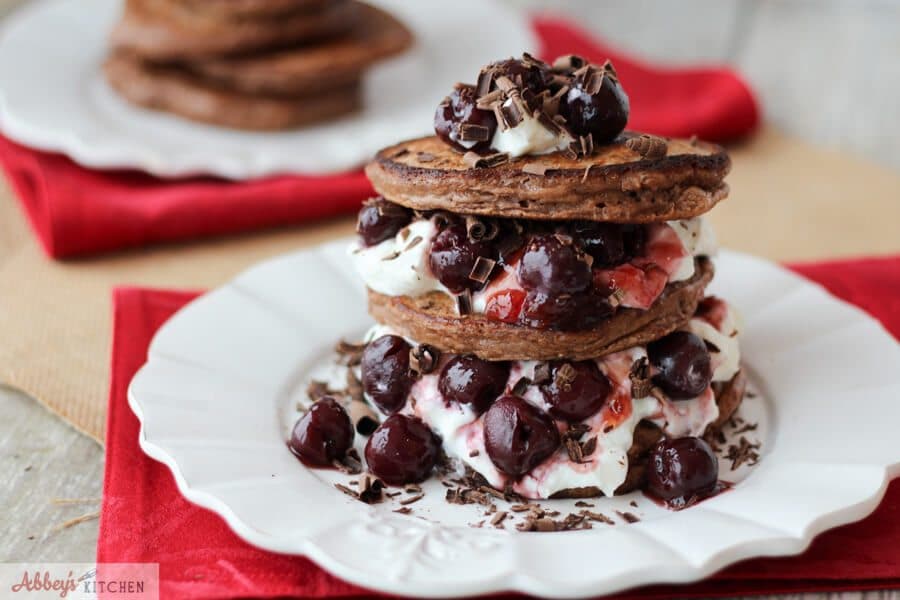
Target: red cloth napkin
[
  {"x": 78, "y": 211},
  {"x": 145, "y": 519}
]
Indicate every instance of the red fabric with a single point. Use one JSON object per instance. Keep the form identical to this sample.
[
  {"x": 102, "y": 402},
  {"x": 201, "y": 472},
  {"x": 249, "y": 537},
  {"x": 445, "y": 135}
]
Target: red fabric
[
  {"x": 144, "y": 519},
  {"x": 77, "y": 211}
]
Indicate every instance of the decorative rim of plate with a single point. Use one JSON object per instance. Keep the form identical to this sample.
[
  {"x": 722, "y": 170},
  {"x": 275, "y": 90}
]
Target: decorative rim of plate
[
  {"x": 124, "y": 137},
  {"x": 818, "y": 487}
]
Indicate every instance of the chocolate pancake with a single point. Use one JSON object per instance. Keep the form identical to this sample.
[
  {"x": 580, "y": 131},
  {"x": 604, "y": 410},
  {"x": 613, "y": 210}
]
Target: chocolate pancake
[
  {"x": 164, "y": 31},
  {"x": 225, "y": 10},
  {"x": 305, "y": 69},
  {"x": 432, "y": 319},
  {"x": 729, "y": 396},
  {"x": 613, "y": 184},
  {"x": 172, "y": 90}
]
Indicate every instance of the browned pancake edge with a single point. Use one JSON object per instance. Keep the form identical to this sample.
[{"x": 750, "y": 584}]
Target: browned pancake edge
[{"x": 614, "y": 184}]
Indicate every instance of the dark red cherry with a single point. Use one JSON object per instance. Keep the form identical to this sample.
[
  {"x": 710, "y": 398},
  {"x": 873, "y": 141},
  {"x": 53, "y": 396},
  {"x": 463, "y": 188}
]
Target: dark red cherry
[
  {"x": 681, "y": 471},
  {"x": 565, "y": 312},
  {"x": 576, "y": 390},
  {"x": 602, "y": 113},
  {"x": 453, "y": 255},
  {"x": 459, "y": 109},
  {"x": 385, "y": 372},
  {"x": 402, "y": 450},
  {"x": 323, "y": 435},
  {"x": 379, "y": 220},
  {"x": 681, "y": 363},
  {"x": 553, "y": 264},
  {"x": 603, "y": 241},
  {"x": 518, "y": 436},
  {"x": 470, "y": 380},
  {"x": 635, "y": 238},
  {"x": 531, "y": 75}
]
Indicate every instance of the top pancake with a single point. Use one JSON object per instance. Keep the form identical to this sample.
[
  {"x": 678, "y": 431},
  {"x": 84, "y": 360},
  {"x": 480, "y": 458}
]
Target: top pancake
[{"x": 613, "y": 184}]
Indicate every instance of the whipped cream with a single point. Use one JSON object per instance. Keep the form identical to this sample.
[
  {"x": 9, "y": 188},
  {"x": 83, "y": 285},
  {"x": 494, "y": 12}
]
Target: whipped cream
[
  {"x": 529, "y": 137},
  {"x": 698, "y": 239},
  {"x": 398, "y": 267},
  {"x": 461, "y": 429}
]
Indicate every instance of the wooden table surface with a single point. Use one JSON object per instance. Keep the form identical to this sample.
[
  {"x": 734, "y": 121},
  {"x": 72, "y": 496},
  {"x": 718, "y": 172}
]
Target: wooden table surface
[{"x": 825, "y": 70}]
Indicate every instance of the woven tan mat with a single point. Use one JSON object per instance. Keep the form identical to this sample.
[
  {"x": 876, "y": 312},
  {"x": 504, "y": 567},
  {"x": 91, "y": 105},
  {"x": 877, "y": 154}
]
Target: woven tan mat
[{"x": 789, "y": 201}]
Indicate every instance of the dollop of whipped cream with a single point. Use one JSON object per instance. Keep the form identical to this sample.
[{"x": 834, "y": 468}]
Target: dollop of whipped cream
[
  {"x": 461, "y": 429},
  {"x": 529, "y": 136},
  {"x": 398, "y": 266}
]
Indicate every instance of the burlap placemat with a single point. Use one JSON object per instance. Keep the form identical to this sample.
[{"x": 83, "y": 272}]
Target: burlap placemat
[{"x": 789, "y": 201}]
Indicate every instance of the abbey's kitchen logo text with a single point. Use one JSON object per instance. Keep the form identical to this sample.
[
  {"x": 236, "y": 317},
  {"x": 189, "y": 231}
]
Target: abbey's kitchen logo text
[{"x": 80, "y": 581}]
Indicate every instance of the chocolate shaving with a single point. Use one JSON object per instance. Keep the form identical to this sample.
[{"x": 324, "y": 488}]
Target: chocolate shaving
[
  {"x": 350, "y": 354},
  {"x": 583, "y": 145},
  {"x": 482, "y": 269},
  {"x": 489, "y": 100},
  {"x": 464, "y": 303},
  {"x": 595, "y": 516},
  {"x": 471, "y": 132},
  {"x": 541, "y": 373},
  {"x": 513, "y": 111},
  {"x": 520, "y": 386},
  {"x": 370, "y": 489},
  {"x": 520, "y": 508},
  {"x": 640, "y": 378},
  {"x": 498, "y": 518},
  {"x": 483, "y": 85},
  {"x": 535, "y": 168},
  {"x": 423, "y": 358},
  {"x": 589, "y": 446},
  {"x": 743, "y": 452},
  {"x": 473, "y": 160},
  {"x": 413, "y": 242},
  {"x": 392, "y": 255},
  {"x": 412, "y": 499},
  {"x": 576, "y": 431},
  {"x": 474, "y": 453},
  {"x": 403, "y": 510},
  {"x": 568, "y": 62},
  {"x": 316, "y": 390},
  {"x": 583, "y": 503},
  {"x": 573, "y": 448},
  {"x": 649, "y": 147},
  {"x": 629, "y": 517}
]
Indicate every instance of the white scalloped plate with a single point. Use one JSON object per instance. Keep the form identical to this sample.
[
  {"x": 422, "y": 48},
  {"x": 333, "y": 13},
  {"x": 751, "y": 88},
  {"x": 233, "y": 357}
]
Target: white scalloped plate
[
  {"x": 53, "y": 96},
  {"x": 215, "y": 401}
]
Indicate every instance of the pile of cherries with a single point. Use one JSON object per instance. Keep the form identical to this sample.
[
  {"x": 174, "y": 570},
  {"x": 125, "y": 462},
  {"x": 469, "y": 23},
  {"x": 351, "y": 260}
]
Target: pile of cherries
[
  {"x": 555, "y": 262},
  {"x": 518, "y": 436},
  {"x": 601, "y": 112}
]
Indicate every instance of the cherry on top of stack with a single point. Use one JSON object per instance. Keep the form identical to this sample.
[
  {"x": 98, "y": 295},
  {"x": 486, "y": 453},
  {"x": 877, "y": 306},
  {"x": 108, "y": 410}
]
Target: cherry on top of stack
[{"x": 532, "y": 226}]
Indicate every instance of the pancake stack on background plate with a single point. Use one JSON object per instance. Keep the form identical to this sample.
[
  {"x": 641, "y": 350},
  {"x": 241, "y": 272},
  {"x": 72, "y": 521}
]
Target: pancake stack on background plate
[
  {"x": 250, "y": 64},
  {"x": 538, "y": 277}
]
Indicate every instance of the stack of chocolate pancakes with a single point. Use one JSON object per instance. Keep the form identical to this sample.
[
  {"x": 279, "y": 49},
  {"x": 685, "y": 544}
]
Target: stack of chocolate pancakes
[
  {"x": 250, "y": 64},
  {"x": 538, "y": 277}
]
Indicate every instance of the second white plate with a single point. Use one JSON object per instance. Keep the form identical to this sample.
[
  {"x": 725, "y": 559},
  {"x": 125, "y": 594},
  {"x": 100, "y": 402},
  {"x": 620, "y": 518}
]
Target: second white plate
[{"x": 53, "y": 95}]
